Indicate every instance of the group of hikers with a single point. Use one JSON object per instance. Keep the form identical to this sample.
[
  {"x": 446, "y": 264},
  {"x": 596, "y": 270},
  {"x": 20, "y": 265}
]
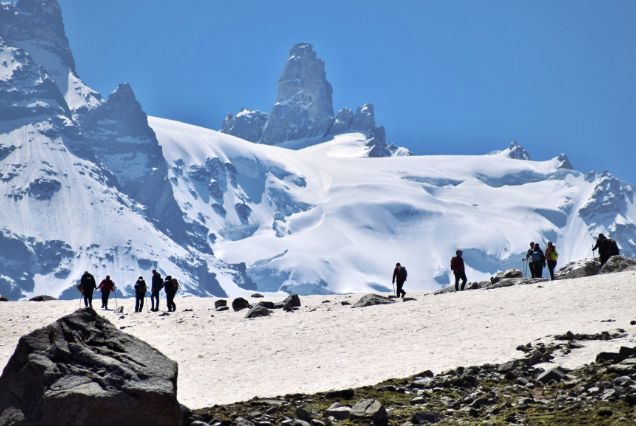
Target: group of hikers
[
  {"x": 535, "y": 258},
  {"x": 169, "y": 285}
]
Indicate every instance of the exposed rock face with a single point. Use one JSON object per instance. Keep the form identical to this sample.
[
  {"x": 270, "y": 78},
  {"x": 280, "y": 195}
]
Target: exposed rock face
[
  {"x": 509, "y": 273},
  {"x": 246, "y": 124},
  {"x": 258, "y": 311},
  {"x": 123, "y": 142},
  {"x": 36, "y": 26},
  {"x": 517, "y": 152},
  {"x": 304, "y": 110},
  {"x": 618, "y": 264},
  {"x": 578, "y": 269},
  {"x": 304, "y": 106},
  {"x": 83, "y": 370}
]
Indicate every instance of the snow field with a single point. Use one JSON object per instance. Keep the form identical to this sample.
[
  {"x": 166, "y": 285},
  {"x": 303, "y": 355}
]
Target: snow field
[{"x": 224, "y": 357}]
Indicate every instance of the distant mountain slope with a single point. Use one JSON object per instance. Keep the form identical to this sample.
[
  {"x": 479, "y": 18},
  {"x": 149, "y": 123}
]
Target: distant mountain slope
[{"x": 309, "y": 224}]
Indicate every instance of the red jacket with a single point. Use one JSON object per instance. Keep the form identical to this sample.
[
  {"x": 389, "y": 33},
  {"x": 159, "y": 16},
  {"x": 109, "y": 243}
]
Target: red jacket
[
  {"x": 457, "y": 265},
  {"x": 106, "y": 285}
]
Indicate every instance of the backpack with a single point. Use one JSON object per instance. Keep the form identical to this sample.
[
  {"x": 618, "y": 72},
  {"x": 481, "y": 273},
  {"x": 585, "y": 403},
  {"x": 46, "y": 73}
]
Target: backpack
[
  {"x": 554, "y": 255},
  {"x": 404, "y": 273},
  {"x": 612, "y": 248},
  {"x": 536, "y": 256},
  {"x": 174, "y": 284}
]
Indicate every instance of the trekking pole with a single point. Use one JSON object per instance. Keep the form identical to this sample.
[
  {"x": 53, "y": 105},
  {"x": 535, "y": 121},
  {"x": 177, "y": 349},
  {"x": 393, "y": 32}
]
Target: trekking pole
[{"x": 115, "y": 293}]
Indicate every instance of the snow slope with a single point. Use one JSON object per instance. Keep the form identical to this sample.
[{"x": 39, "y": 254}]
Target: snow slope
[
  {"x": 226, "y": 358},
  {"x": 324, "y": 219}
]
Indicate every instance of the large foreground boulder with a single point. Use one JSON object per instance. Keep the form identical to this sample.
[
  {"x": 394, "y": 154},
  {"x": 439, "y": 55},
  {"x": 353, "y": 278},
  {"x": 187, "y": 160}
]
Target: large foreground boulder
[
  {"x": 618, "y": 264},
  {"x": 82, "y": 370},
  {"x": 578, "y": 269},
  {"x": 372, "y": 299}
]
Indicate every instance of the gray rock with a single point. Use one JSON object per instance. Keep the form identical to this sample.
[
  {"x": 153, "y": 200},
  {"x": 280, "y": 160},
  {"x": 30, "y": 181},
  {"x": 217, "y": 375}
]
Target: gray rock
[
  {"x": 578, "y": 269},
  {"x": 372, "y": 299},
  {"x": 220, "y": 303},
  {"x": 508, "y": 273},
  {"x": 370, "y": 410},
  {"x": 555, "y": 374},
  {"x": 292, "y": 301},
  {"x": 338, "y": 411},
  {"x": 222, "y": 308},
  {"x": 303, "y": 414},
  {"x": 618, "y": 264},
  {"x": 119, "y": 310},
  {"x": 82, "y": 370},
  {"x": 239, "y": 304},
  {"x": 266, "y": 304},
  {"x": 246, "y": 124},
  {"x": 303, "y": 108},
  {"x": 424, "y": 417},
  {"x": 42, "y": 298},
  {"x": 257, "y": 295},
  {"x": 3, "y": 299},
  {"x": 258, "y": 311}
]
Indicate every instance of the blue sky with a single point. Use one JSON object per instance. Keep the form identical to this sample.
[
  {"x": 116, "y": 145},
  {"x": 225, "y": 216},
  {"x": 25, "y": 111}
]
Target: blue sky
[{"x": 445, "y": 76}]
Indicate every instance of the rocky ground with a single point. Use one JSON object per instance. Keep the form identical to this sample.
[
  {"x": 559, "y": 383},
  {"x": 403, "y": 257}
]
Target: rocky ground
[{"x": 516, "y": 392}]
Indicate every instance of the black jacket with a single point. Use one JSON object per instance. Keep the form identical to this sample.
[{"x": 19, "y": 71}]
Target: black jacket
[
  {"x": 88, "y": 283},
  {"x": 157, "y": 282}
]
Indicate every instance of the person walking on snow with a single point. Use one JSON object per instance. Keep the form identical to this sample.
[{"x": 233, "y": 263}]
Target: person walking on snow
[
  {"x": 528, "y": 259},
  {"x": 538, "y": 261},
  {"x": 87, "y": 287},
  {"x": 140, "y": 294},
  {"x": 551, "y": 256},
  {"x": 171, "y": 285},
  {"x": 399, "y": 277},
  {"x": 157, "y": 285},
  {"x": 457, "y": 266},
  {"x": 106, "y": 286}
]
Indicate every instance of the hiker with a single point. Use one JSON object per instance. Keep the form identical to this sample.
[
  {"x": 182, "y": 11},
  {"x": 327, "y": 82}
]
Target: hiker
[
  {"x": 528, "y": 259},
  {"x": 457, "y": 266},
  {"x": 399, "y": 277},
  {"x": 171, "y": 285},
  {"x": 86, "y": 287},
  {"x": 551, "y": 256},
  {"x": 606, "y": 248},
  {"x": 538, "y": 261},
  {"x": 106, "y": 286},
  {"x": 140, "y": 294},
  {"x": 157, "y": 285}
]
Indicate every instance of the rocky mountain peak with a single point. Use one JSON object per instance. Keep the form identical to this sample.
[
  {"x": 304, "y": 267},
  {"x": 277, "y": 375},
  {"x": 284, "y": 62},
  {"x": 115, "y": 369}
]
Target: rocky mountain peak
[
  {"x": 517, "y": 152},
  {"x": 304, "y": 106},
  {"x": 565, "y": 162}
]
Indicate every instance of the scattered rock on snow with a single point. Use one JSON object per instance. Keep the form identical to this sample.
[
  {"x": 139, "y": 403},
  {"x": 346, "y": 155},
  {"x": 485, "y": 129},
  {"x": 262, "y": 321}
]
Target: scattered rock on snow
[
  {"x": 42, "y": 298},
  {"x": 3, "y": 299},
  {"x": 372, "y": 299},
  {"x": 239, "y": 304},
  {"x": 257, "y": 295},
  {"x": 258, "y": 311},
  {"x": 220, "y": 303},
  {"x": 222, "y": 308},
  {"x": 82, "y": 370},
  {"x": 292, "y": 301},
  {"x": 266, "y": 304}
]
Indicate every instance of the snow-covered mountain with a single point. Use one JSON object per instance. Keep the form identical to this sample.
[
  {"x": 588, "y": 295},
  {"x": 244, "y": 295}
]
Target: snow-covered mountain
[
  {"x": 92, "y": 183},
  {"x": 303, "y": 113}
]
